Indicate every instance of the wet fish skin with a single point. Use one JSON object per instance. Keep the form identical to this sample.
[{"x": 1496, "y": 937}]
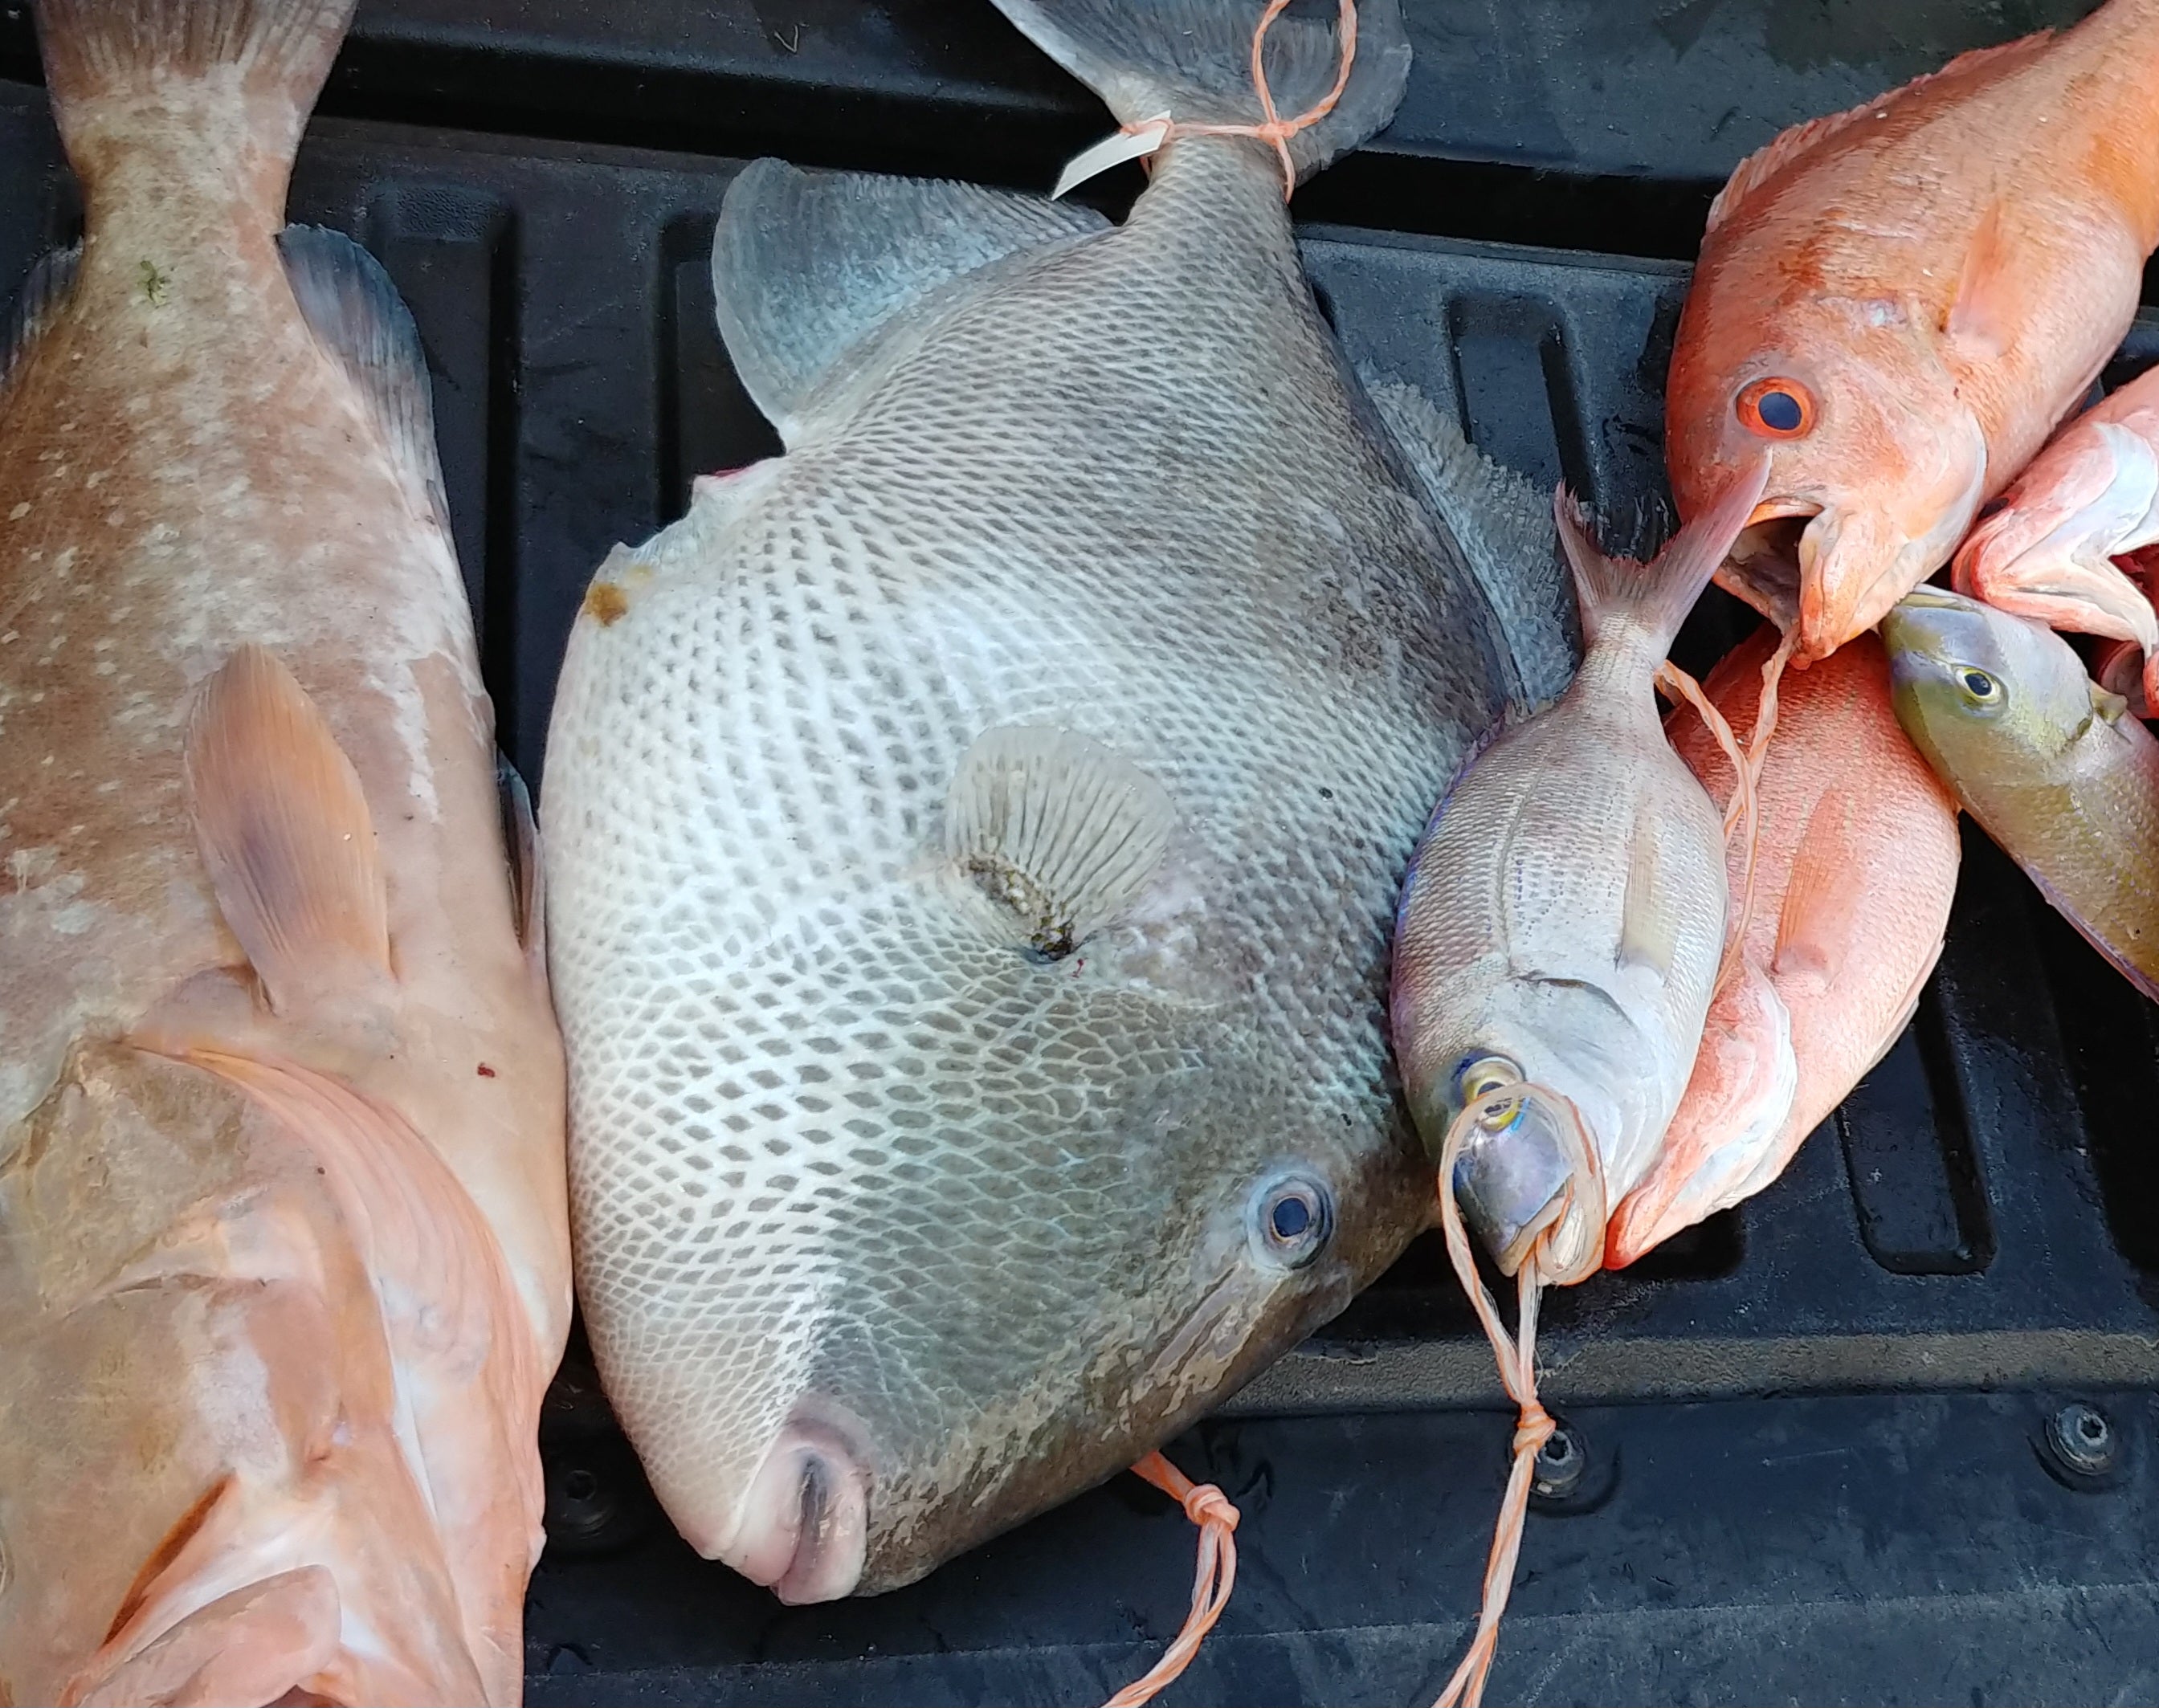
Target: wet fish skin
[
  {"x": 2049, "y": 763},
  {"x": 1931, "y": 338},
  {"x": 1856, "y": 868},
  {"x": 283, "y": 1243},
  {"x": 2091, "y": 496},
  {"x": 924, "y": 1160},
  {"x": 1565, "y": 910}
]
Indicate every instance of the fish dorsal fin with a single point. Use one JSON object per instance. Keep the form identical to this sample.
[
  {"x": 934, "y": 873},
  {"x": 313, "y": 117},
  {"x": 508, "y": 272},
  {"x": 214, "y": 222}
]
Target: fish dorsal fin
[
  {"x": 284, "y": 830},
  {"x": 1056, "y": 830},
  {"x": 1649, "y": 926},
  {"x": 1786, "y": 145},
  {"x": 1504, "y": 526},
  {"x": 520, "y": 835},
  {"x": 356, "y": 314},
  {"x": 42, "y": 295},
  {"x": 806, "y": 265},
  {"x": 1820, "y": 914}
]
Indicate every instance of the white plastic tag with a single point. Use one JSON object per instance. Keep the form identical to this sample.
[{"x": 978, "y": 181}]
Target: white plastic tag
[{"x": 1141, "y": 140}]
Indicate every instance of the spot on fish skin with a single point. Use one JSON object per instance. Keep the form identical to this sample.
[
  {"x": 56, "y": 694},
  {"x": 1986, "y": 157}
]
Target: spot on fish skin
[
  {"x": 605, "y": 604},
  {"x": 154, "y": 281},
  {"x": 485, "y": 1072},
  {"x": 20, "y": 511}
]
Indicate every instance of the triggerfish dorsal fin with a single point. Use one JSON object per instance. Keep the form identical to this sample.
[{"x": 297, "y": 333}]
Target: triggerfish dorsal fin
[
  {"x": 357, "y": 315},
  {"x": 1056, "y": 830},
  {"x": 284, "y": 830},
  {"x": 39, "y": 300},
  {"x": 1193, "y": 60},
  {"x": 806, "y": 265}
]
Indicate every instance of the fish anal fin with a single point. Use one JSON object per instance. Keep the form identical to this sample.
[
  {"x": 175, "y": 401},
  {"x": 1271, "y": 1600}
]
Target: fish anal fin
[
  {"x": 284, "y": 830},
  {"x": 40, "y": 299},
  {"x": 1649, "y": 928},
  {"x": 1820, "y": 915},
  {"x": 1781, "y": 150},
  {"x": 1983, "y": 318},
  {"x": 1057, "y": 830},
  {"x": 357, "y": 315},
  {"x": 807, "y": 265}
]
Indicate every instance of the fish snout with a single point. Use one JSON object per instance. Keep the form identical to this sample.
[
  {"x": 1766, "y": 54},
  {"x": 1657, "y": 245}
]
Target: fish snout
[
  {"x": 804, "y": 1529},
  {"x": 1514, "y": 1182},
  {"x": 1853, "y": 569}
]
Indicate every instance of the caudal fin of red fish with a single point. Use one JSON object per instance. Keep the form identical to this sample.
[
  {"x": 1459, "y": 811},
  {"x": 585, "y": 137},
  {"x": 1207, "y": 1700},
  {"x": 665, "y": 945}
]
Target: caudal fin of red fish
[
  {"x": 135, "y": 79},
  {"x": 1623, "y": 600}
]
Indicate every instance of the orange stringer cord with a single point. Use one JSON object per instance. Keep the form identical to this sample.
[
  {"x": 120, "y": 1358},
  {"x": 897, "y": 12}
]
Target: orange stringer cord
[{"x": 1209, "y": 1508}]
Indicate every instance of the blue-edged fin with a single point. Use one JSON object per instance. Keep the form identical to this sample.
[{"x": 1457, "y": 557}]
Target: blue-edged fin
[
  {"x": 1193, "y": 60},
  {"x": 39, "y": 301},
  {"x": 520, "y": 835},
  {"x": 357, "y": 315},
  {"x": 1058, "y": 830},
  {"x": 284, "y": 830},
  {"x": 806, "y": 265},
  {"x": 1502, "y": 527}
]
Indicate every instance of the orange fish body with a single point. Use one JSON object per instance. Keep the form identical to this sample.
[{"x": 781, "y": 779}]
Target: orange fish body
[
  {"x": 1856, "y": 866},
  {"x": 1904, "y": 301},
  {"x": 2090, "y": 498}
]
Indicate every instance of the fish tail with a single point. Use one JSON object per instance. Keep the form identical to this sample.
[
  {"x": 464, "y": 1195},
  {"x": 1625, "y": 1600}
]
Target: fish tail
[
  {"x": 1650, "y": 600},
  {"x": 1193, "y": 60},
  {"x": 130, "y": 78}
]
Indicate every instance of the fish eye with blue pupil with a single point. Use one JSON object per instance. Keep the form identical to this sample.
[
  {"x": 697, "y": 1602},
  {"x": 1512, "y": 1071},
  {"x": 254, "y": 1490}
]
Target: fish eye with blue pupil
[
  {"x": 1977, "y": 684},
  {"x": 1292, "y": 1218}
]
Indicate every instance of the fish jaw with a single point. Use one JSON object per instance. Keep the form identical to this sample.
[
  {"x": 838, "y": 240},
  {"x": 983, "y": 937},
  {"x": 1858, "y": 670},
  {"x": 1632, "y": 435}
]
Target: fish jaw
[
  {"x": 2048, "y": 553},
  {"x": 1511, "y": 1180},
  {"x": 802, "y": 1530}
]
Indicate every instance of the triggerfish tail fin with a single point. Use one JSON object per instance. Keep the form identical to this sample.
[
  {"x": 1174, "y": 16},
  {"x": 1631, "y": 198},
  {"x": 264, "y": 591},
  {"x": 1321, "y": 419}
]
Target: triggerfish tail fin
[
  {"x": 1619, "y": 595},
  {"x": 1192, "y": 60},
  {"x": 202, "y": 91},
  {"x": 284, "y": 830}
]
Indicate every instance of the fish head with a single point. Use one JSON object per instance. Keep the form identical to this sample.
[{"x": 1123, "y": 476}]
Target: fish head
[
  {"x": 1877, "y": 466},
  {"x": 1978, "y": 689}
]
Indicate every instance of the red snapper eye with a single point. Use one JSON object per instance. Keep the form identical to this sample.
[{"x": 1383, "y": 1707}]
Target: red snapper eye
[{"x": 1776, "y": 409}]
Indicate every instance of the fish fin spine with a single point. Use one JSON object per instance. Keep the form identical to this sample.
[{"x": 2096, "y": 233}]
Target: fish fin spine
[
  {"x": 1193, "y": 60},
  {"x": 355, "y": 312},
  {"x": 284, "y": 829},
  {"x": 1056, "y": 830},
  {"x": 807, "y": 265},
  {"x": 94, "y": 49},
  {"x": 1653, "y": 599},
  {"x": 42, "y": 296},
  {"x": 1781, "y": 150}
]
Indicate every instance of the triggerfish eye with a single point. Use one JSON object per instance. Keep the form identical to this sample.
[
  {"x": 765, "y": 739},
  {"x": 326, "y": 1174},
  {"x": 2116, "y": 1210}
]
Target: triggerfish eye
[
  {"x": 1776, "y": 409},
  {"x": 1292, "y": 1219}
]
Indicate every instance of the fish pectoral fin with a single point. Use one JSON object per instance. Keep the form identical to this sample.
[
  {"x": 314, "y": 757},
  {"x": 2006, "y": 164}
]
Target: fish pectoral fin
[
  {"x": 1649, "y": 926},
  {"x": 2107, "y": 706},
  {"x": 806, "y": 265},
  {"x": 256, "y": 1643},
  {"x": 1504, "y": 527},
  {"x": 284, "y": 830},
  {"x": 520, "y": 834},
  {"x": 43, "y": 294},
  {"x": 357, "y": 315},
  {"x": 1982, "y": 320},
  {"x": 1056, "y": 830},
  {"x": 1820, "y": 915}
]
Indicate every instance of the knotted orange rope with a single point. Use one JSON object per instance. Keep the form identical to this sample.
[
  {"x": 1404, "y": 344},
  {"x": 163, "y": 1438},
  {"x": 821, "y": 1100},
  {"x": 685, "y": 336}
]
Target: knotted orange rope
[
  {"x": 1516, "y": 1355},
  {"x": 1209, "y": 1508},
  {"x": 1273, "y": 128}
]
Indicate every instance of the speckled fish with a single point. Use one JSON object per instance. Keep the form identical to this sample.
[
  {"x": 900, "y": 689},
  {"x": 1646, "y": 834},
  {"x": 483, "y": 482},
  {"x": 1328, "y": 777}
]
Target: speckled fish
[
  {"x": 972, "y": 835},
  {"x": 1902, "y": 302},
  {"x": 1563, "y": 920},
  {"x": 284, "y": 1239},
  {"x": 2049, "y": 763},
  {"x": 1855, "y": 870},
  {"x": 2090, "y": 498}
]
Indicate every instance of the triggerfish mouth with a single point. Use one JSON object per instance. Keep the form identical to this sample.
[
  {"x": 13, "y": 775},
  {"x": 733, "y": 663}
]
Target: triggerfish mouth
[
  {"x": 284, "y": 1252},
  {"x": 972, "y": 836}
]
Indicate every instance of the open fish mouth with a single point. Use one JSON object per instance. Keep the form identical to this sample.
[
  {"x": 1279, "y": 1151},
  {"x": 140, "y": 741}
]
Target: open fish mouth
[{"x": 1763, "y": 566}]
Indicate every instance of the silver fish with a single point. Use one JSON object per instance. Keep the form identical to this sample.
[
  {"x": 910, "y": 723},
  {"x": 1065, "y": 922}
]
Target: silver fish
[
  {"x": 1565, "y": 916},
  {"x": 972, "y": 835}
]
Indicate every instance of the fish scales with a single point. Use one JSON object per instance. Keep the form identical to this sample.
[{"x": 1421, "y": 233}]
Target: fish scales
[{"x": 973, "y": 842}]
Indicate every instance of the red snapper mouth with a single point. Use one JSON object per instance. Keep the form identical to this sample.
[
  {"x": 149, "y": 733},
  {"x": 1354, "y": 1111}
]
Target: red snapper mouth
[{"x": 1763, "y": 566}]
